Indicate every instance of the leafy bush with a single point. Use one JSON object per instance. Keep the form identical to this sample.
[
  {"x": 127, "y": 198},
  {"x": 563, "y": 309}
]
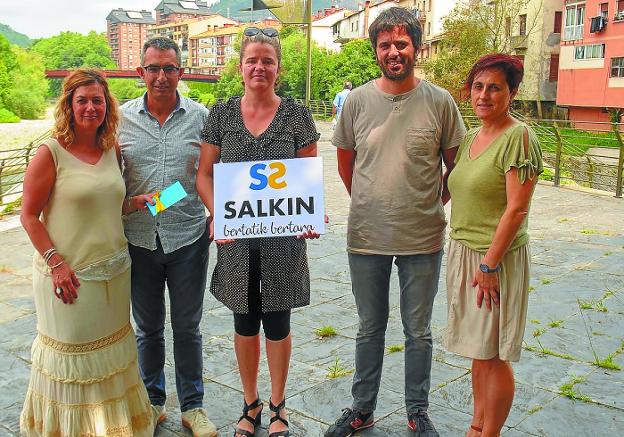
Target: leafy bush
[
  {"x": 207, "y": 99},
  {"x": 7, "y": 116},
  {"x": 125, "y": 89}
]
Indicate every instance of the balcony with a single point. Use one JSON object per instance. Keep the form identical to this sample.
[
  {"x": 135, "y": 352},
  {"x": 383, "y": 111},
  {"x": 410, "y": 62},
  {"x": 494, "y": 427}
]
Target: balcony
[
  {"x": 619, "y": 16},
  {"x": 519, "y": 42},
  {"x": 420, "y": 15}
]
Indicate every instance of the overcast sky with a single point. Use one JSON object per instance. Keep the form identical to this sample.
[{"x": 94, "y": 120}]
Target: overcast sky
[{"x": 43, "y": 18}]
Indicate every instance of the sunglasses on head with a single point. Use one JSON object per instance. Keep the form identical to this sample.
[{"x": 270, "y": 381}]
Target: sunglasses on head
[{"x": 267, "y": 31}]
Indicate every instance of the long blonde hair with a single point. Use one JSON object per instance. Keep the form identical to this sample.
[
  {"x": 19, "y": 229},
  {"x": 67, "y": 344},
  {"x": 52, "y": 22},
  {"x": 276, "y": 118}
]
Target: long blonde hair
[{"x": 64, "y": 117}]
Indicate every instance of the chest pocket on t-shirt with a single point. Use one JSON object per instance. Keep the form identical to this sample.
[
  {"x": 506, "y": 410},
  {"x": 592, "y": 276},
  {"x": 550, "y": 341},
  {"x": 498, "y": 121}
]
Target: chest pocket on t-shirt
[{"x": 421, "y": 142}]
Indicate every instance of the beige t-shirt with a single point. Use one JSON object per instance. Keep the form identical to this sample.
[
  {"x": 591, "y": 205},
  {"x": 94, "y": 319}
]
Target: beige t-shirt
[{"x": 396, "y": 208}]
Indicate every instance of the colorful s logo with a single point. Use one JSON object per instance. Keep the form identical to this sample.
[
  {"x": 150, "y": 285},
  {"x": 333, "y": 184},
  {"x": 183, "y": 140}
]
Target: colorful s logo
[{"x": 278, "y": 171}]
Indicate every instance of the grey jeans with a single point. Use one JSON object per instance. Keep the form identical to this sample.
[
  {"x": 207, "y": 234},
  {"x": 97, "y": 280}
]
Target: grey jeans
[{"x": 418, "y": 280}]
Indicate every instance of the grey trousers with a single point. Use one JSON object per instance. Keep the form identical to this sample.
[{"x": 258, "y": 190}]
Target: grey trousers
[{"x": 418, "y": 280}]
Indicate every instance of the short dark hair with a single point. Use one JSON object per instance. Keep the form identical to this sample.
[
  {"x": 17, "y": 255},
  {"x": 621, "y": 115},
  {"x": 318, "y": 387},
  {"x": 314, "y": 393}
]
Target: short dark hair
[
  {"x": 510, "y": 66},
  {"x": 162, "y": 43},
  {"x": 395, "y": 17}
]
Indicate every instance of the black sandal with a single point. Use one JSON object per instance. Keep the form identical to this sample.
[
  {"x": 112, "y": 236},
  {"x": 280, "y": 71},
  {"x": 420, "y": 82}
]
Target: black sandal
[
  {"x": 276, "y": 410},
  {"x": 255, "y": 422}
]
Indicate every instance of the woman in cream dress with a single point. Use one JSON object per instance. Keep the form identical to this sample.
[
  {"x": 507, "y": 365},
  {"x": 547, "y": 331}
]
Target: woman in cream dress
[{"x": 84, "y": 377}]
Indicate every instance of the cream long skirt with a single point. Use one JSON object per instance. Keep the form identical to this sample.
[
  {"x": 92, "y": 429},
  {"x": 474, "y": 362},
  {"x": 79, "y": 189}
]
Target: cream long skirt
[
  {"x": 84, "y": 378},
  {"x": 479, "y": 333}
]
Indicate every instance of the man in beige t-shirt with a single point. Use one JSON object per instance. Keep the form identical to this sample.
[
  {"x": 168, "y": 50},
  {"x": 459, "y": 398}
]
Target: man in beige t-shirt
[{"x": 392, "y": 136}]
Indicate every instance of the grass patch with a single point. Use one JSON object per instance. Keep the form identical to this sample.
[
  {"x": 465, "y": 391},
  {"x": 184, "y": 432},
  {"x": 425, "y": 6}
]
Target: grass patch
[
  {"x": 586, "y": 304},
  {"x": 538, "y": 332},
  {"x": 590, "y": 231},
  {"x": 601, "y": 307},
  {"x": 545, "y": 351},
  {"x": 607, "y": 363},
  {"x": 607, "y": 254},
  {"x": 531, "y": 289},
  {"x": 535, "y": 321},
  {"x": 564, "y": 219},
  {"x": 336, "y": 370},
  {"x": 11, "y": 207},
  {"x": 326, "y": 331},
  {"x": 556, "y": 323},
  {"x": 568, "y": 391},
  {"x": 395, "y": 348},
  {"x": 545, "y": 281},
  {"x": 535, "y": 409},
  {"x": 587, "y": 231}
]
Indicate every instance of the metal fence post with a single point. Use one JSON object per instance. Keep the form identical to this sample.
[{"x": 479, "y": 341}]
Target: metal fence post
[
  {"x": 558, "y": 149},
  {"x": 1, "y": 170},
  {"x": 618, "y": 180}
]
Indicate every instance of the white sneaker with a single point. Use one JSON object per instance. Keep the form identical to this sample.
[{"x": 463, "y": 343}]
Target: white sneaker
[
  {"x": 159, "y": 414},
  {"x": 197, "y": 421}
]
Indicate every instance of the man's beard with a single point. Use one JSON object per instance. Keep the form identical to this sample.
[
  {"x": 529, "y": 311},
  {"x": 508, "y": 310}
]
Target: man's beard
[{"x": 408, "y": 69}]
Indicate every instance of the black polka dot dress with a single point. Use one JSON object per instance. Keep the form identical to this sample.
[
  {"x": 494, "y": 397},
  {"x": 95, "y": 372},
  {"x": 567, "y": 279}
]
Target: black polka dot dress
[{"x": 284, "y": 264}]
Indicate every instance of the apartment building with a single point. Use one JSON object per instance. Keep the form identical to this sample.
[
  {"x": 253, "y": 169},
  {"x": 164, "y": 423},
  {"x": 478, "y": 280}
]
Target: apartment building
[
  {"x": 182, "y": 31},
  {"x": 211, "y": 50},
  {"x": 126, "y": 32},
  {"x": 171, "y": 11},
  {"x": 323, "y": 27},
  {"x": 430, "y": 14},
  {"x": 591, "y": 61},
  {"x": 533, "y": 34},
  {"x": 356, "y": 25}
]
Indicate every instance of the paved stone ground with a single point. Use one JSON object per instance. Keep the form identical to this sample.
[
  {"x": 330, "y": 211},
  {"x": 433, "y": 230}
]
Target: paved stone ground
[{"x": 578, "y": 259}]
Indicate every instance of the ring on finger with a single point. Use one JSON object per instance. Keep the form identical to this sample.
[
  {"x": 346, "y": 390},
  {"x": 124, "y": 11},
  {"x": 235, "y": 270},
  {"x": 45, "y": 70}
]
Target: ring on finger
[{"x": 58, "y": 291}]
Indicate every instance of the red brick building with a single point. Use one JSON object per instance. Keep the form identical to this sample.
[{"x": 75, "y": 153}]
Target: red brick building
[{"x": 127, "y": 32}]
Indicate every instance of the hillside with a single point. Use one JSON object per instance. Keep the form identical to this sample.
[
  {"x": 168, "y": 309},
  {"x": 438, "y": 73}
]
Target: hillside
[
  {"x": 235, "y": 6},
  {"x": 14, "y": 37}
]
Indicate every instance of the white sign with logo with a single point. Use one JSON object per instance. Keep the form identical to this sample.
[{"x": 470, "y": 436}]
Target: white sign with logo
[{"x": 268, "y": 198}]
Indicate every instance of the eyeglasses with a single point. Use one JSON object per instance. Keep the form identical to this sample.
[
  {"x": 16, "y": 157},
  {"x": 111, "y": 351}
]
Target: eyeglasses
[
  {"x": 170, "y": 70},
  {"x": 267, "y": 31}
]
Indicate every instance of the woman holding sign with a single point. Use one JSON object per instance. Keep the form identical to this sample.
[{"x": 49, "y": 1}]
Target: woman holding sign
[
  {"x": 259, "y": 126},
  {"x": 84, "y": 377}
]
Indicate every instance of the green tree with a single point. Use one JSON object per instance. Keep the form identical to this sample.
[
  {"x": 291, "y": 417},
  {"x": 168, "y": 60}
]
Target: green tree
[
  {"x": 355, "y": 62},
  {"x": 231, "y": 82},
  {"x": 465, "y": 41},
  {"x": 8, "y": 62},
  {"x": 125, "y": 89},
  {"x": 73, "y": 50},
  {"x": 26, "y": 98}
]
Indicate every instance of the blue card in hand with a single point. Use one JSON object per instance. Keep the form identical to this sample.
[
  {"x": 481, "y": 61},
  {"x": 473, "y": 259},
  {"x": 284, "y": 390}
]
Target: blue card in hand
[{"x": 167, "y": 197}]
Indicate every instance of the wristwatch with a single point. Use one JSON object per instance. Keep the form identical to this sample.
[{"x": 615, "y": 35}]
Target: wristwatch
[{"x": 487, "y": 269}]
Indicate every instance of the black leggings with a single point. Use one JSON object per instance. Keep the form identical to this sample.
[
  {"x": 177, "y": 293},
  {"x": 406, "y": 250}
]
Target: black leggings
[{"x": 276, "y": 324}]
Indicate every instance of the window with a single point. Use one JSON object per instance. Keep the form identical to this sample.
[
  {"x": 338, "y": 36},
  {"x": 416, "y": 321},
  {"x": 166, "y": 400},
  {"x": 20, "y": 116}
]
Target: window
[
  {"x": 522, "y": 19},
  {"x": 593, "y": 51},
  {"x": 617, "y": 67},
  {"x": 428, "y": 28},
  {"x": 508, "y": 26},
  {"x": 553, "y": 74},
  {"x": 575, "y": 16},
  {"x": 558, "y": 18},
  {"x": 619, "y": 15},
  {"x": 604, "y": 10}
]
